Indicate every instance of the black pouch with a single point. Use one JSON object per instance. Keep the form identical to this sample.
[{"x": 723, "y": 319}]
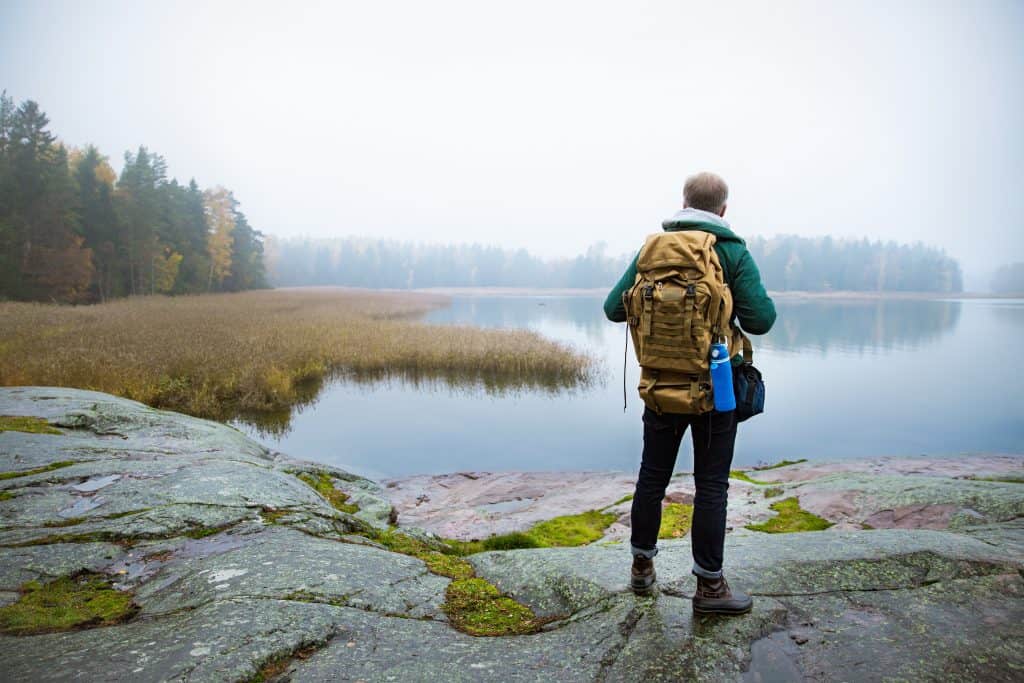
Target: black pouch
[{"x": 749, "y": 387}]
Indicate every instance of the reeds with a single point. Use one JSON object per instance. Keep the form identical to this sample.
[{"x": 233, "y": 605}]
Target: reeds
[{"x": 225, "y": 355}]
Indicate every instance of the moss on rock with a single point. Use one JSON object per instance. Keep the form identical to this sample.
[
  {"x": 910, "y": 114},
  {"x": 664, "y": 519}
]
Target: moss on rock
[
  {"x": 66, "y": 603},
  {"x": 781, "y": 463},
  {"x": 743, "y": 476},
  {"x": 323, "y": 483},
  {"x": 572, "y": 530},
  {"x": 676, "y": 520},
  {"x": 32, "y": 425},
  {"x": 38, "y": 470},
  {"x": 478, "y": 608},
  {"x": 791, "y": 518}
]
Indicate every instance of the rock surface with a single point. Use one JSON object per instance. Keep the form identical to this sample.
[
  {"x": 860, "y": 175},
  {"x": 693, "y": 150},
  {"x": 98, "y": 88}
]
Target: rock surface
[{"x": 234, "y": 563}]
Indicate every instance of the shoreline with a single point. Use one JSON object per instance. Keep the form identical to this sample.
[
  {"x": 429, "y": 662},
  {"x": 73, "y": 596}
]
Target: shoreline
[
  {"x": 193, "y": 552},
  {"x": 844, "y": 295}
]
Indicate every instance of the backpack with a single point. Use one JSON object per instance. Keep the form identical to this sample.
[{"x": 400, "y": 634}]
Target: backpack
[{"x": 678, "y": 305}]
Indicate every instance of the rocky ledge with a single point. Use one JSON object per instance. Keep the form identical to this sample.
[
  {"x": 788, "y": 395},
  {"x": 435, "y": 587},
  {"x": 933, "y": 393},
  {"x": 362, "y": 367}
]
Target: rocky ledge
[{"x": 138, "y": 544}]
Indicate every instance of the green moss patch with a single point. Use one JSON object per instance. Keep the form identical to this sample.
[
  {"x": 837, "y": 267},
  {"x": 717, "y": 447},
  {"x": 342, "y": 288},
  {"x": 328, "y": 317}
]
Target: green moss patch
[
  {"x": 69, "y": 602},
  {"x": 444, "y": 562},
  {"x": 32, "y": 425},
  {"x": 39, "y": 470},
  {"x": 204, "y": 531},
  {"x": 476, "y": 607},
  {"x": 323, "y": 483},
  {"x": 773, "y": 491},
  {"x": 510, "y": 541},
  {"x": 791, "y": 518},
  {"x": 271, "y": 516},
  {"x": 1009, "y": 479},
  {"x": 571, "y": 530},
  {"x": 742, "y": 476},
  {"x": 626, "y": 498},
  {"x": 447, "y": 565},
  {"x": 473, "y": 605},
  {"x": 6, "y": 495},
  {"x": 781, "y": 463},
  {"x": 676, "y": 520}
]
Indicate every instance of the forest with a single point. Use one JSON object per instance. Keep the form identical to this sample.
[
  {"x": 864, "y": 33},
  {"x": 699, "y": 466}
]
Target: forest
[
  {"x": 786, "y": 262},
  {"x": 73, "y": 231}
]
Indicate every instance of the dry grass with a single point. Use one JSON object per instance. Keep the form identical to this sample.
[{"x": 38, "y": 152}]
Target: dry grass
[{"x": 226, "y": 355}]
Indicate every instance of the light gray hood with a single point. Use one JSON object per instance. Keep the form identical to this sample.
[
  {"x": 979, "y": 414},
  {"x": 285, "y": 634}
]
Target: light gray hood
[{"x": 697, "y": 216}]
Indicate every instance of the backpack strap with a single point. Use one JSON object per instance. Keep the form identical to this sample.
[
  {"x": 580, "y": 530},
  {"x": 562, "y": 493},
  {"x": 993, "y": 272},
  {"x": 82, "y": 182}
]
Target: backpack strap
[
  {"x": 689, "y": 304},
  {"x": 647, "y": 313}
]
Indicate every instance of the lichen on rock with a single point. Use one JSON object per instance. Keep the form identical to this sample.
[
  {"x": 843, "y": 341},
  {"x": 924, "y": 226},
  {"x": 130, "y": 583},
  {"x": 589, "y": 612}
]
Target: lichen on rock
[{"x": 239, "y": 570}]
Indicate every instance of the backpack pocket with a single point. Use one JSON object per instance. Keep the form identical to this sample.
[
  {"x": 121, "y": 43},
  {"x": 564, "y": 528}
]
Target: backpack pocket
[{"x": 671, "y": 392}]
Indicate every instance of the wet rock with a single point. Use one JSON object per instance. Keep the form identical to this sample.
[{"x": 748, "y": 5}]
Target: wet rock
[
  {"x": 284, "y": 563},
  {"x": 235, "y": 563},
  {"x": 913, "y": 517},
  {"x": 223, "y": 641}
]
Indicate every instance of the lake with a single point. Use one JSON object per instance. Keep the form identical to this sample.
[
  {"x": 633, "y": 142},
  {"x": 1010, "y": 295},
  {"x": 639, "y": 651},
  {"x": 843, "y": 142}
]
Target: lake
[{"x": 844, "y": 378}]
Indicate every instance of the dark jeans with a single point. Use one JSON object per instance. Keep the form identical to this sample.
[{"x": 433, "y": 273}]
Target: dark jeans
[{"x": 714, "y": 436}]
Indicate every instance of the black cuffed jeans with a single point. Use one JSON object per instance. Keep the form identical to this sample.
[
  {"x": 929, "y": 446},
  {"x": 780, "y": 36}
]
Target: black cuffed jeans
[{"x": 714, "y": 436}]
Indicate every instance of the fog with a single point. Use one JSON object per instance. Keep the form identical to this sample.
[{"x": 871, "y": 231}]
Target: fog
[{"x": 555, "y": 125}]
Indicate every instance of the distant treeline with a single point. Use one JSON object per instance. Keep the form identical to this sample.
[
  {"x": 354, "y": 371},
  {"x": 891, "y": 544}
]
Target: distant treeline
[
  {"x": 786, "y": 263},
  {"x": 72, "y": 231},
  {"x": 791, "y": 263},
  {"x": 358, "y": 262}
]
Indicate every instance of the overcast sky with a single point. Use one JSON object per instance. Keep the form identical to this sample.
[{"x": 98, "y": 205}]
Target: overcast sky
[{"x": 552, "y": 125}]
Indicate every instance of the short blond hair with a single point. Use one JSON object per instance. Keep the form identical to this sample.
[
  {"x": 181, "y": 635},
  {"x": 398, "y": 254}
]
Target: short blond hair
[{"x": 706, "y": 191}]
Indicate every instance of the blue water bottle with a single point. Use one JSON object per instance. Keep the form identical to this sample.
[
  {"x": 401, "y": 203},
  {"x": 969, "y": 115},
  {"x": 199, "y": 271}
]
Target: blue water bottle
[{"x": 721, "y": 378}]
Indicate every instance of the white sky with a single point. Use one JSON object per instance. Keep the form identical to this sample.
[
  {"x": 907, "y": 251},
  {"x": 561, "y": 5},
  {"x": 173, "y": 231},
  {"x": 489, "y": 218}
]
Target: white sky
[{"x": 552, "y": 125}]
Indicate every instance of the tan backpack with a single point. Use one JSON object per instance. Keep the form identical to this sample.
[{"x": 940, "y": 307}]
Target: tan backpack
[{"x": 678, "y": 305}]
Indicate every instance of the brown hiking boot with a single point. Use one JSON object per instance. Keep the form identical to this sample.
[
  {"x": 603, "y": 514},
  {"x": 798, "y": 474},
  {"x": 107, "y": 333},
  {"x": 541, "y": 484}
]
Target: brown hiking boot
[
  {"x": 641, "y": 576},
  {"x": 713, "y": 596}
]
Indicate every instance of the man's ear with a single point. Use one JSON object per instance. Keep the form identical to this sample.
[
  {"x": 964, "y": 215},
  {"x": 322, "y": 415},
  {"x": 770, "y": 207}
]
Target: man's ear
[{"x": 722, "y": 212}]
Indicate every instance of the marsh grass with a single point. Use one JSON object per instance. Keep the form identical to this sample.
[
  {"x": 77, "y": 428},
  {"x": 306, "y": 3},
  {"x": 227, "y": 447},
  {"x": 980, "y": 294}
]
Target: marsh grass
[{"x": 254, "y": 353}]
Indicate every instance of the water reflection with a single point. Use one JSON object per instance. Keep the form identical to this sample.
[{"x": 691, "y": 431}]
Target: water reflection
[
  {"x": 584, "y": 313},
  {"x": 823, "y": 324},
  {"x": 860, "y": 325},
  {"x": 833, "y": 367},
  {"x": 467, "y": 386}
]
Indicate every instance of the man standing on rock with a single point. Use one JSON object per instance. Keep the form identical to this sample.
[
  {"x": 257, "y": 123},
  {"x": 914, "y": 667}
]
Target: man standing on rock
[{"x": 679, "y": 296}]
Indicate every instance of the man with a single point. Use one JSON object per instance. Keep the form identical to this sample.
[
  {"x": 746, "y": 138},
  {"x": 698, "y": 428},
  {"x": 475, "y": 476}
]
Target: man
[{"x": 714, "y": 434}]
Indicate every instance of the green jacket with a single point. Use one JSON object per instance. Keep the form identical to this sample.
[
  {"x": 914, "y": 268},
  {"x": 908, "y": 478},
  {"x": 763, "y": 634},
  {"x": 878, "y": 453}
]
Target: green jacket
[{"x": 752, "y": 306}]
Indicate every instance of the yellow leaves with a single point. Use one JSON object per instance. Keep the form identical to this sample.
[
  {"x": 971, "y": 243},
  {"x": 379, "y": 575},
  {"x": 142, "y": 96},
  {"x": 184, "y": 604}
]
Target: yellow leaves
[
  {"x": 165, "y": 270},
  {"x": 105, "y": 173},
  {"x": 218, "y": 204}
]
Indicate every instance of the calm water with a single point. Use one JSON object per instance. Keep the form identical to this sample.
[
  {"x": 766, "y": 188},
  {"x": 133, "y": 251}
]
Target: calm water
[{"x": 844, "y": 379}]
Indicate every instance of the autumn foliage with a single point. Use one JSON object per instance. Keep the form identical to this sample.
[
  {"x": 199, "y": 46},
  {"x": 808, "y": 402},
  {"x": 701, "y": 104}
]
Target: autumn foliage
[{"x": 73, "y": 231}]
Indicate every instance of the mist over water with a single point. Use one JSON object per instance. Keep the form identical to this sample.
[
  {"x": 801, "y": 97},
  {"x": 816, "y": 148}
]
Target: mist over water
[{"x": 844, "y": 379}]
